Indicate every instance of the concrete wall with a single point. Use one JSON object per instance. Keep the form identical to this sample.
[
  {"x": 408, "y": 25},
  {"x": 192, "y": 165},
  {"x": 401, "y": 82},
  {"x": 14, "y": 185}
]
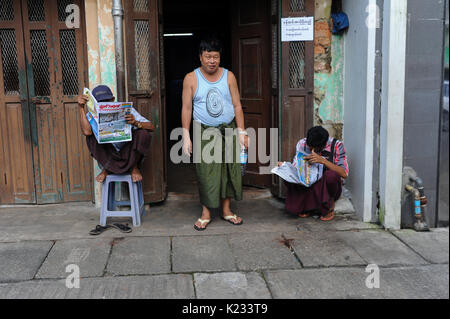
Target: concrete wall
[
  {"x": 359, "y": 83},
  {"x": 424, "y": 71},
  {"x": 446, "y": 52},
  {"x": 444, "y": 157},
  {"x": 395, "y": 19}
]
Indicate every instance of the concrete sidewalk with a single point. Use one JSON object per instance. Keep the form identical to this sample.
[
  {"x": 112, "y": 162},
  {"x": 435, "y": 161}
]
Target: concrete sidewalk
[{"x": 272, "y": 255}]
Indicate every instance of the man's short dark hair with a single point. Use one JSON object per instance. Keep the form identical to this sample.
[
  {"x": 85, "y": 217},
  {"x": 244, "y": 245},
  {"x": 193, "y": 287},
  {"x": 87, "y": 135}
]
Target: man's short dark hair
[
  {"x": 209, "y": 45},
  {"x": 317, "y": 137}
]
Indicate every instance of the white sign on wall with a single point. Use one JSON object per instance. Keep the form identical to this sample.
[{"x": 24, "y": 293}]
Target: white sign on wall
[{"x": 297, "y": 29}]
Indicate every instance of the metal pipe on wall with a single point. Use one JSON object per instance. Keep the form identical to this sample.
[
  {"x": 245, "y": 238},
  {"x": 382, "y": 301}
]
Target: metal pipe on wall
[{"x": 117, "y": 13}]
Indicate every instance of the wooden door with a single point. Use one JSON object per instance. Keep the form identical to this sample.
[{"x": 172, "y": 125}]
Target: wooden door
[
  {"x": 145, "y": 86},
  {"x": 53, "y": 161},
  {"x": 55, "y": 73},
  {"x": 297, "y": 84},
  {"x": 16, "y": 161},
  {"x": 251, "y": 65}
]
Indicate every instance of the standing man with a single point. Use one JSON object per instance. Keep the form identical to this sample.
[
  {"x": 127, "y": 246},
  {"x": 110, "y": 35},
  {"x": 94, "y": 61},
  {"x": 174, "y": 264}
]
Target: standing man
[{"x": 211, "y": 92}]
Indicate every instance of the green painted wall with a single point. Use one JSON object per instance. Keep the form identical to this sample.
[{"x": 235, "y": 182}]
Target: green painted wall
[{"x": 328, "y": 91}]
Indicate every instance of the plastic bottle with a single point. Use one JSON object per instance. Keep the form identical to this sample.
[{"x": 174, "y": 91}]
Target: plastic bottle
[{"x": 244, "y": 158}]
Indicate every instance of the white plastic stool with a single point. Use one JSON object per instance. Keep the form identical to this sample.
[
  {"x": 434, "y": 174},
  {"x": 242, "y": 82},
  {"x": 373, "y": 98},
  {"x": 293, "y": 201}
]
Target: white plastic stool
[{"x": 109, "y": 203}]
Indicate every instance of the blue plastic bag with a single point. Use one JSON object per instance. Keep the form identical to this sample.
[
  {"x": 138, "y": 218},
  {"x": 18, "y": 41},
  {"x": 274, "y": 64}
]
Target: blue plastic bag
[{"x": 340, "y": 22}]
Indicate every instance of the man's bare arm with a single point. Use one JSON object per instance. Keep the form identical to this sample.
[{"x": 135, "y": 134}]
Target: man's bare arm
[
  {"x": 149, "y": 126},
  {"x": 238, "y": 112},
  {"x": 186, "y": 112},
  {"x": 84, "y": 123},
  {"x": 236, "y": 99}
]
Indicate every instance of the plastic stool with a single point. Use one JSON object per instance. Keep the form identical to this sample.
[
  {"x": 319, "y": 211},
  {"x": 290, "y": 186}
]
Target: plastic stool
[{"x": 109, "y": 203}]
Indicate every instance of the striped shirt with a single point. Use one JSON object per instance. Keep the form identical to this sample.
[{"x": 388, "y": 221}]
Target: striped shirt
[{"x": 340, "y": 157}]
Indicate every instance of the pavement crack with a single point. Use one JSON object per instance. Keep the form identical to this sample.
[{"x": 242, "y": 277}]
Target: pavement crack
[
  {"x": 193, "y": 284},
  {"x": 235, "y": 259},
  {"x": 407, "y": 245},
  {"x": 267, "y": 283},
  {"x": 111, "y": 245},
  {"x": 43, "y": 261},
  {"x": 171, "y": 254},
  {"x": 288, "y": 242}
]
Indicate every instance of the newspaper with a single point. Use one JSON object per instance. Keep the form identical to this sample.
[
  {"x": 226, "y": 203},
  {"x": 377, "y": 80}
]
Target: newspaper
[
  {"x": 302, "y": 172},
  {"x": 91, "y": 103},
  {"x": 288, "y": 172},
  {"x": 107, "y": 120}
]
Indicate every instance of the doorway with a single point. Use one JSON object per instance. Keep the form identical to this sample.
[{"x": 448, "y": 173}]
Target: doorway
[
  {"x": 244, "y": 30},
  {"x": 185, "y": 24}
]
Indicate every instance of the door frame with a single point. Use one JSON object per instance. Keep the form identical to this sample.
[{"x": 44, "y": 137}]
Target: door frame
[
  {"x": 253, "y": 177},
  {"x": 149, "y": 102}
]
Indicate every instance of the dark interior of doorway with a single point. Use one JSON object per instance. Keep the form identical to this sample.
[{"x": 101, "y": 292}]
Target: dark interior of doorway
[{"x": 202, "y": 18}]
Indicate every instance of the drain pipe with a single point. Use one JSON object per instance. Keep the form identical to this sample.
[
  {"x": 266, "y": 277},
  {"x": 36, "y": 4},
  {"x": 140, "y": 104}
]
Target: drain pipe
[
  {"x": 420, "y": 202},
  {"x": 117, "y": 13}
]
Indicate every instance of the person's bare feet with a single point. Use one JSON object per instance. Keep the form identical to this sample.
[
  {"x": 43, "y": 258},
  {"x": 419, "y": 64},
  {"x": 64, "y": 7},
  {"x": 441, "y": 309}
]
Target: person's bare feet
[
  {"x": 236, "y": 220},
  {"x": 206, "y": 215},
  {"x": 328, "y": 217},
  {"x": 102, "y": 176},
  {"x": 227, "y": 213},
  {"x": 136, "y": 175}
]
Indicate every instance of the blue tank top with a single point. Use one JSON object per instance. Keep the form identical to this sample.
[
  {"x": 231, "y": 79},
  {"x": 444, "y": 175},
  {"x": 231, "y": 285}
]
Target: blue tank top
[{"x": 212, "y": 100}]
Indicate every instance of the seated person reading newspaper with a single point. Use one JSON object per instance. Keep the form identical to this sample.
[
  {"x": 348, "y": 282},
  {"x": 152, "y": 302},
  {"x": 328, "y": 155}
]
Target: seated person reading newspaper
[{"x": 122, "y": 157}]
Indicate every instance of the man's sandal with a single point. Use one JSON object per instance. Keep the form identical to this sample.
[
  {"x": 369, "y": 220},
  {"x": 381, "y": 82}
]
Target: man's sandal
[
  {"x": 229, "y": 218},
  {"x": 98, "y": 230},
  {"x": 330, "y": 217},
  {"x": 123, "y": 228},
  {"x": 202, "y": 221},
  {"x": 306, "y": 215}
]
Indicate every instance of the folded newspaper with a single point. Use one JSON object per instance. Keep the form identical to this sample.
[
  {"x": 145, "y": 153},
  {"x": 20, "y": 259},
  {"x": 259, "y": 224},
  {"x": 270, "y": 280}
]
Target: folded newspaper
[
  {"x": 107, "y": 120},
  {"x": 302, "y": 172}
]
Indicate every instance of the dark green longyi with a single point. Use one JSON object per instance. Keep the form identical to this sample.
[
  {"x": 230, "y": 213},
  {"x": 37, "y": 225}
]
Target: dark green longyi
[{"x": 218, "y": 181}]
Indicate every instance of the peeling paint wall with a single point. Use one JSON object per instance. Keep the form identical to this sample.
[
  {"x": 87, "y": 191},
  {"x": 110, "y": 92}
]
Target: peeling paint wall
[
  {"x": 328, "y": 72},
  {"x": 92, "y": 42},
  {"x": 100, "y": 36}
]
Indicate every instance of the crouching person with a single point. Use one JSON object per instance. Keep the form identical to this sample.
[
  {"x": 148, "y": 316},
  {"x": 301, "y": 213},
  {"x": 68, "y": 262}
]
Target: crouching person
[
  {"x": 117, "y": 158},
  {"x": 321, "y": 196}
]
